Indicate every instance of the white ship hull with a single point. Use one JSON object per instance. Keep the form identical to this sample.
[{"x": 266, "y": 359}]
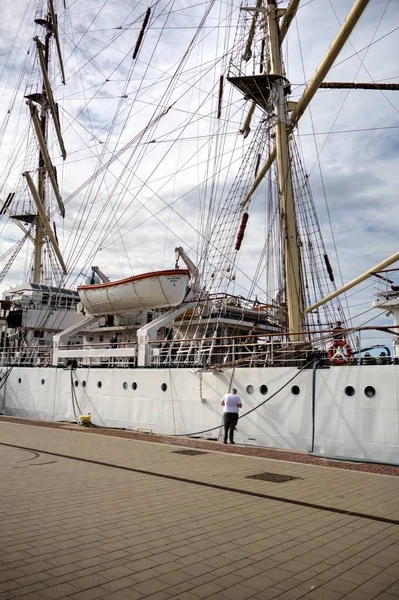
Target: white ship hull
[
  {"x": 349, "y": 426},
  {"x": 158, "y": 289}
]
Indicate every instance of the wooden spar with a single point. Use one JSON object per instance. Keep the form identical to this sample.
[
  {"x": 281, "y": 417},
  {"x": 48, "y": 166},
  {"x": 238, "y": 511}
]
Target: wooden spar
[
  {"x": 312, "y": 87},
  {"x": 382, "y": 265},
  {"x": 245, "y": 129},
  {"x": 45, "y": 155},
  {"x": 50, "y": 97},
  {"x": 43, "y": 219},
  {"x": 221, "y": 82},
  {"x": 260, "y": 176},
  {"x": 351, "y": 85},
  {"x": 342, "y": 36},
  {"x": 57, "y": 39},
  {"x": 288, "y": 17},
  {"x": 141, "y": 33},
  {"x": 248, "y": 52}
]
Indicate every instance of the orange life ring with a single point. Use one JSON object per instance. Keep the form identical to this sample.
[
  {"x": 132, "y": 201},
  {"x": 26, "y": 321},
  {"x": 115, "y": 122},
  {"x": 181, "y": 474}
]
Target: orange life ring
[
  {"x": 338, "y": 357},
  {"x": 263, "y": 307}
]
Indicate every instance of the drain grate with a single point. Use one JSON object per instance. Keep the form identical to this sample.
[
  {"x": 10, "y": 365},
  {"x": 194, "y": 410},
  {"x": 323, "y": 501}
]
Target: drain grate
[
  {"x": 274, "y": 477},
  {"x": 189, "y": 452}
]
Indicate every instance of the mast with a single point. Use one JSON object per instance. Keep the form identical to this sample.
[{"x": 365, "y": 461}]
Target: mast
[
  {"x": 40, "y": 120},
  {"x": 268, "y": 92},
  {"x": 41, "y": 176},
  {"x": 292, "y": 260}
]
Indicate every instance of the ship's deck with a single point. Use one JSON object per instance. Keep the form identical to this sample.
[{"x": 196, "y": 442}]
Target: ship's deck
[{"x": 105, "y": 516}]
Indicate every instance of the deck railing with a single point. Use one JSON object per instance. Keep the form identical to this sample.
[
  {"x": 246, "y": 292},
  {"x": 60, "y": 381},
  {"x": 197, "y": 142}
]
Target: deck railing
[{"x": 207, "y": 352}]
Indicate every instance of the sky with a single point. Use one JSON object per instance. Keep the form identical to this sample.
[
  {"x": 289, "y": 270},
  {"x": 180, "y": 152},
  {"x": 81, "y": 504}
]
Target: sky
[{"x": 161, "y": 189}]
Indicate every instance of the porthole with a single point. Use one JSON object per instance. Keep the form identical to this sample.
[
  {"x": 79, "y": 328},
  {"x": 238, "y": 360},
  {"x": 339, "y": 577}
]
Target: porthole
[
  {"x": 164, "y": 387},
  {"x": 295, "y": 390},
  {"x": 99, "y": 384},
  {"x": 76, "y": 383},
  {"x": 83, "y": 383},
  {"x": 134, "y": 385},
  {"x": 124, "y": 385},
  {"x": 42, "y": 382},
  {"x": 19, "y": 380},
  {"x": 369, "y": 391},
  {"x": 349, "y": 390},
  {"x": 263, "y": 389},
  {"x": 250, "y": 389}
]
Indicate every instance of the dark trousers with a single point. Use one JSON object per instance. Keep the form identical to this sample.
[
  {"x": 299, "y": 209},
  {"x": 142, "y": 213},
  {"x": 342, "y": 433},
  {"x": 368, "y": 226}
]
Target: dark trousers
[{"x": 229, "y": 423}]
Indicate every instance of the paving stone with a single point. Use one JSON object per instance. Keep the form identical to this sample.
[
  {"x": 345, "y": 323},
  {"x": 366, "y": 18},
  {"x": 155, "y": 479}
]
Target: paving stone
[
  {"x": 90, "y": 594},
  {"x": 125, "y": 594},
  {"x": 294, "y": 593},
  {"x": 207, "y": 589},
  {"x": 175, "y": 577},
  {"x": 30, "y": 589},
  {"x": 356, "y": 595},
  {"x": 268, "y": 594},
  {"x": 197, "y": 569},
  {"x": 58, "y": 591},
  {"x": 90, "y": 581},
  {"x": 260, "y": 582},
  {"x": 115, "y": 573},
  {"x": 237, "y": 592},
  {"x": 119, "y": 584},
  {"x": 163, "y": 596},
  {"x": 32, "y": 578},
  {"x": 324, "y": 594},
  {"x": 31, "y": 595},
  {"x": 145, "y": 575},
  {"x": 187, "y": 596},
  {"x": 150, "y": 587},
  {"x": 10, "y": 574}
]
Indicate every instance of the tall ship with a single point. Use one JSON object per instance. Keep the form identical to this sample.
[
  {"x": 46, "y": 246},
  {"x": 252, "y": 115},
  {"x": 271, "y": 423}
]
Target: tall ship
[{"x": 161, "y": 243}]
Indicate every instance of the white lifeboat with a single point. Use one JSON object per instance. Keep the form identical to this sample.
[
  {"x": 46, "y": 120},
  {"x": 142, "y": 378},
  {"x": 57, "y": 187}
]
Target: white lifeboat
[{"x": 158, "y": 289}]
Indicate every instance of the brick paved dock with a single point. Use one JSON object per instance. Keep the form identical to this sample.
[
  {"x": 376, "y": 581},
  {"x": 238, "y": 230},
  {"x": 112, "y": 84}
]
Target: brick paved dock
[{"x": 92, "y": 516}]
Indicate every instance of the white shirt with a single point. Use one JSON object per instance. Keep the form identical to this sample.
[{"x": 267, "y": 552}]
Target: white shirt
[{"x": 231, "y": 402}]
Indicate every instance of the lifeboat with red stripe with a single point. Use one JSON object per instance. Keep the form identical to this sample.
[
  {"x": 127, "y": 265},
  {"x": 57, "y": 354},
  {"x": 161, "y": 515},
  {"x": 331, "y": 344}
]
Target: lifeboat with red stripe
[{"x": 158, "y": 289}]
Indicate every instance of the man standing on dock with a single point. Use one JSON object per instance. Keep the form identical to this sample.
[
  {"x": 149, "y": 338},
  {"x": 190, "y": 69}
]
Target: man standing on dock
[{"x": 231, "y": 403}]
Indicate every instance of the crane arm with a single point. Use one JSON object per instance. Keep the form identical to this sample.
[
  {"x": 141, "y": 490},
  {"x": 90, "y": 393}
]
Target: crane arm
[{"x": 96, "y": 271}]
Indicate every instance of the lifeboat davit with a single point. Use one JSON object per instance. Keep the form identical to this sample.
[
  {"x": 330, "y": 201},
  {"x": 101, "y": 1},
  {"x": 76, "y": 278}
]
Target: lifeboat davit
[{"x": 158, "y": 289}]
